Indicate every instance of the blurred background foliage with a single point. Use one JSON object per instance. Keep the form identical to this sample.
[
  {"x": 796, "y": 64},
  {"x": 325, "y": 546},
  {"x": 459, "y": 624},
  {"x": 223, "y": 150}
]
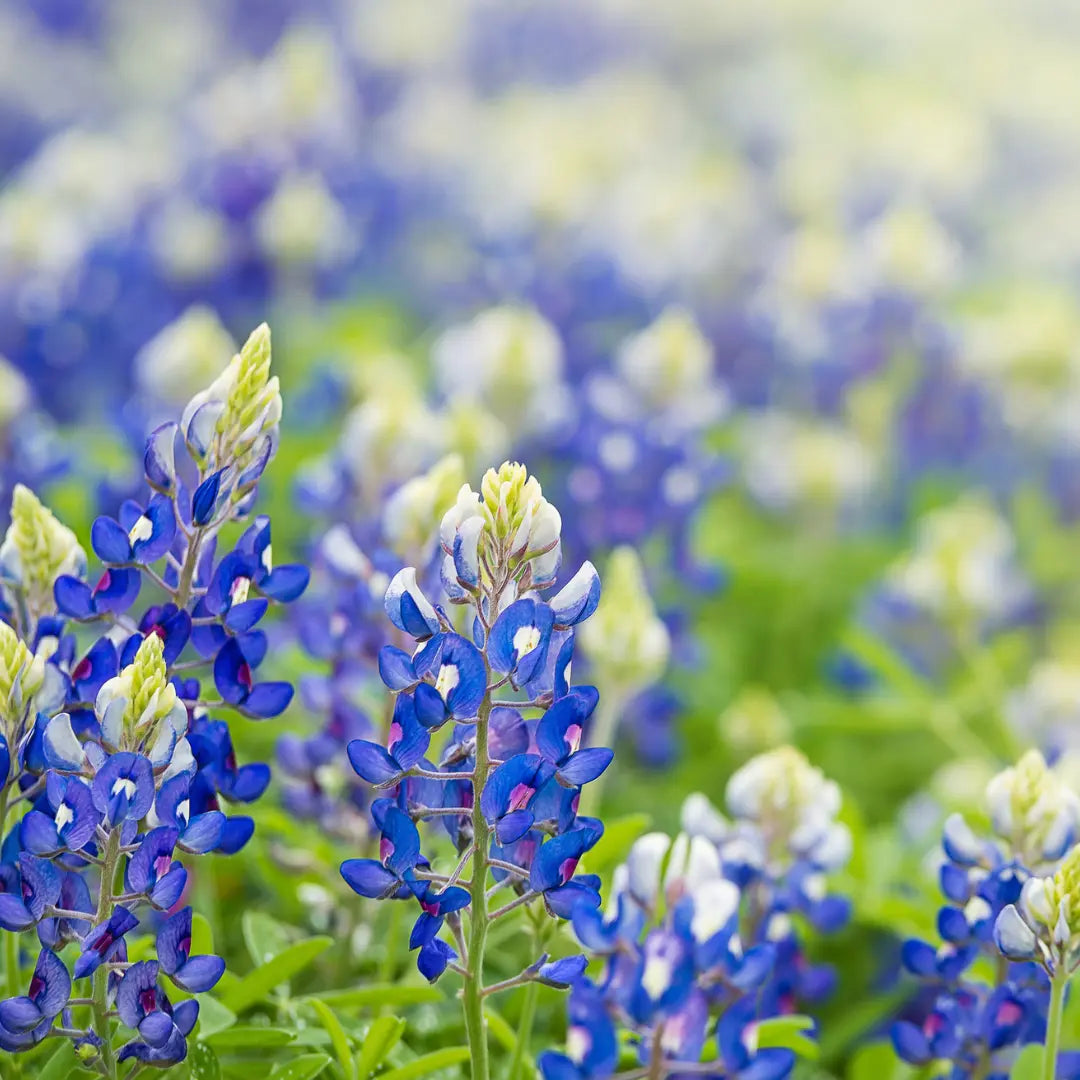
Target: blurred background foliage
[{"x": 869, "y": 209}]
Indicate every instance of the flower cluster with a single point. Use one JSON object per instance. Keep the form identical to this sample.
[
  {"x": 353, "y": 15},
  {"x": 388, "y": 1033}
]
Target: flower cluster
[
  {"x": 504, "y": 779},
  {"x": 698, "y": 939},
  {"x": 977, "y": 1023},
  {"x": 112, "y": 770}
]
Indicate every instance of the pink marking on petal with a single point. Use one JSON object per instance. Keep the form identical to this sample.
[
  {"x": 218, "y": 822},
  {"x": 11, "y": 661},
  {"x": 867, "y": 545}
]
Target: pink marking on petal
[
  {"x": 395, "y": 736},
  {"x": 82, "y": 669},
  {"x": 162, "y": 864},
  {"x": 573, "y": 738},
  {"x": 1009, "y": 1012},
  {"x": 566, "y": 870},
  {"x": 520, "y": 796},
  {"x": 386, "y": 848}
]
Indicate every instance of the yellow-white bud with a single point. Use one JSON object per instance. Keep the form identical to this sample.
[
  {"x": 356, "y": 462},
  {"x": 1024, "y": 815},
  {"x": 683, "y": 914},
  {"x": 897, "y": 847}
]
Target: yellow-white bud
[
  {"x": 625, "y": 639},
  {"x": 36, "y": 550},
  {"x": 413, "y": 513}
]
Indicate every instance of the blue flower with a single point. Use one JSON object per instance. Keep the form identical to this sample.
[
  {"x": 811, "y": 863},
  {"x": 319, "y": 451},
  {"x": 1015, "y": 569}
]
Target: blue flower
[
  {"x": 195, "y": 974},
  {"x": 197, "y": 833},
  {"x": 140, "y": 536},
  {"x": 234, "y": 681},
  {"x": 153, "y": 872},
  {"x": 116, "y": 590},
  {"x": 433, "y": 958},
  {"x": 553, "y": 870},
  {"x": 519, "y": 640},
  {"x": 70, "y": 821},
  {"x": 559, "y": 735},
  {"x": 399, "y": 853},
  {"x": 407, "y": 742},
  {"x": 38, "y": 885},
  {"x": 738, "y": 1049},
  {"x": 578, "y": 598},
  {"x": 460, "y": 684},
  {"x": 50, "y": 987},
  {"x": 508, "y": 793},
  {"x": 408, "y": 608},
  {"x": 104, "y": 942},
  {"x": 142, "y": 1005},
  {"x": 591, "y": 1037},
  {"x": 123, "y": 789}
]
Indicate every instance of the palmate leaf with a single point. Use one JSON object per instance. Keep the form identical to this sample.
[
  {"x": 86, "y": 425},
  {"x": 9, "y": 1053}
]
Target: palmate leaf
[
  {"x": 788, "y": 1033},
  {"x": 383, "y": 1035},
  {"x": 256, "y": 986}
]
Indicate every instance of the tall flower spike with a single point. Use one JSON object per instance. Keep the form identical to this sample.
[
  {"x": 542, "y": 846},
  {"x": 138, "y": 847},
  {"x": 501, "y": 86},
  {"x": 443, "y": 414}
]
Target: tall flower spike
[{"x": 513, "y": 815}]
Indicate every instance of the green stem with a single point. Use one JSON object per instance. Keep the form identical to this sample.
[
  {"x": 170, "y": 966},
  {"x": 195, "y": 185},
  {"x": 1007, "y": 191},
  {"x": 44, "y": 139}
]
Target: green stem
[
  {"x": 1053, "y": 1021},
  {"x": 101, "y": 976},
  {"x": 525, "y": 1025},
  {"x": 187, "y": 572},
  {"x": 475, "y": 1024}
]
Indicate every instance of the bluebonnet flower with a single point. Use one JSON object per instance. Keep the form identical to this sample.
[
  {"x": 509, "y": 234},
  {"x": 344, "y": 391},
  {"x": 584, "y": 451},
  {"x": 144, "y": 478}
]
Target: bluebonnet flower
[
  {"x": 505, "y": 788},
  {"x": 690, "y": 954},
  {"x": 974, "y": 1022},
  {"x": 698, "y": 938},
  {"x": 132, "y": 772}
]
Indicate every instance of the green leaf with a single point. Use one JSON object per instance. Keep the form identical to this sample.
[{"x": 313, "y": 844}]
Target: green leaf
[
  {"x": 202, "y": 937},
  {"x": 240, "y": 1038},
  {"x": 788, "y": 1033},
  {"x": 429, "y": 1063},
  {"x": 338, "y": 1039},
  {"x": 61, "y": 1065},
  {"x": 877, "y": 1061},
  {"x": 302, "y": 1068},
  {"x": 378, "y": 994},
  {"x": 382, "y": 1037},
  {"x": 213, "y": 1017},
  {"x": 1028, "y": 1065},
  {"x": 255, "y": 987},
  {"x": 264, "y": 937},
  {"x": 203, "y": 1063}
]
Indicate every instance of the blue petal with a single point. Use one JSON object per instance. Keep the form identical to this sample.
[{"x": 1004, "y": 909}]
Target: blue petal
[
  {"x": 73, "y": 597},
  {"x": 396, "y": 668},
  {"x": 110, "y": 541},
  {"x": 285, "y": 583},
  {"x": 367, "y": 877},
  {"x": 204, "y": 501},
  {"x": 585, "y": 766},
  {"x": 372, "y": 763}
]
